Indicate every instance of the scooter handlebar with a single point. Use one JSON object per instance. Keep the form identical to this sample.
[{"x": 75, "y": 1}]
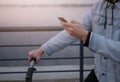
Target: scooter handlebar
[{"x": 30, "y": 71}]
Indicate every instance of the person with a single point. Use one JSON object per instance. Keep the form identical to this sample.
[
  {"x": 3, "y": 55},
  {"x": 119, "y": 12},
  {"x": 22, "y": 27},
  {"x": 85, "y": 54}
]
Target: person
[{"x": 100, "y": 31}]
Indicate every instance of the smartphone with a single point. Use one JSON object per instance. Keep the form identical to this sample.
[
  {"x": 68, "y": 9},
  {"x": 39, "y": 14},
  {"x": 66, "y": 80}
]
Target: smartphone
[{"x": 62, "y": 19}]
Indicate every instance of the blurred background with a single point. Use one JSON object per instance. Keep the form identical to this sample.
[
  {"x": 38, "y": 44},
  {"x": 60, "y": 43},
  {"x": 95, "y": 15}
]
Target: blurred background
[{"x": 27, "y": 24}]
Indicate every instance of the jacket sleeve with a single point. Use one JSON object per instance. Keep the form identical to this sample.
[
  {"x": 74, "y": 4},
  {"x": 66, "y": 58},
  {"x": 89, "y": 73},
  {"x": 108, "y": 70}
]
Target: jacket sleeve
[
  {"x": 106, "y": 47},
  {"x": 60, "y": 41}
]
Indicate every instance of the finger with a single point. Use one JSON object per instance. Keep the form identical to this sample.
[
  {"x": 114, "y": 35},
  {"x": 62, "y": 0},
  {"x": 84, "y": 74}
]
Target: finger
[
  {"x": 29, "y": 56},
  {"x": 74, "y": 21},
  {"x": 37, "y": 59},
  {"x": 33, "y": 59},
  {"x": 64, "y": 24}
]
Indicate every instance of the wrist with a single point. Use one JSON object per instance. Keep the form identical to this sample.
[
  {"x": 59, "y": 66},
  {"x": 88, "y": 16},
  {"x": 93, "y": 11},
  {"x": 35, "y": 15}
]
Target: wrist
[{"x": 40, "y": 51}]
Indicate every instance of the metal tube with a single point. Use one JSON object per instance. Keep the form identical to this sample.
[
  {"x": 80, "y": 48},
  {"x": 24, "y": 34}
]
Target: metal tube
[{"x": 81, "y": 60}]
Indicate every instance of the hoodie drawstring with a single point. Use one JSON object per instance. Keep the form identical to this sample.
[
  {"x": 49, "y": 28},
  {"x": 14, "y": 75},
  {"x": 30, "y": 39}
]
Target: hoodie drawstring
[
  {"x": 105, "y": 15},
  {"x": 113, "y": 7}
]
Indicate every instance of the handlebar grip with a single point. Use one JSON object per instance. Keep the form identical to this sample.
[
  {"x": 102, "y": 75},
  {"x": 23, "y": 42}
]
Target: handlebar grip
[
  {"x": 29, "y": 74},
  {"x": 30, "y": 71}
]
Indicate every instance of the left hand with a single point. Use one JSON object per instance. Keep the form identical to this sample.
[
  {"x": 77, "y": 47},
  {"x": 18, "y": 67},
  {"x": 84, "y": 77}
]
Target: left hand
[{"x": 75, "y": 29}]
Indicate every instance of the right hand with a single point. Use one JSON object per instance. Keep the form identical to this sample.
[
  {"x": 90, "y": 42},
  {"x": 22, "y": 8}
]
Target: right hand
[{"x": 37, "y": 53}]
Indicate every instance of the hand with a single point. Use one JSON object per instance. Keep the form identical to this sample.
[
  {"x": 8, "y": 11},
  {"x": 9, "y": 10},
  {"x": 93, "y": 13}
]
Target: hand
[
  {"x": 37, "y": 53},
  {"x": 75, "y": 29}
]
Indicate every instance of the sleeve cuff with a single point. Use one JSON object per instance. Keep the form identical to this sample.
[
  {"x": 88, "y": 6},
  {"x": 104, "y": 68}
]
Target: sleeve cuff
[{"x": 87, "y": 40}]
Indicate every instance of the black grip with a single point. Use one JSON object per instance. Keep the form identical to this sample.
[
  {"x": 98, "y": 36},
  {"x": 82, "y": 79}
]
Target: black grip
[{"x": 29, "y": 74}]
